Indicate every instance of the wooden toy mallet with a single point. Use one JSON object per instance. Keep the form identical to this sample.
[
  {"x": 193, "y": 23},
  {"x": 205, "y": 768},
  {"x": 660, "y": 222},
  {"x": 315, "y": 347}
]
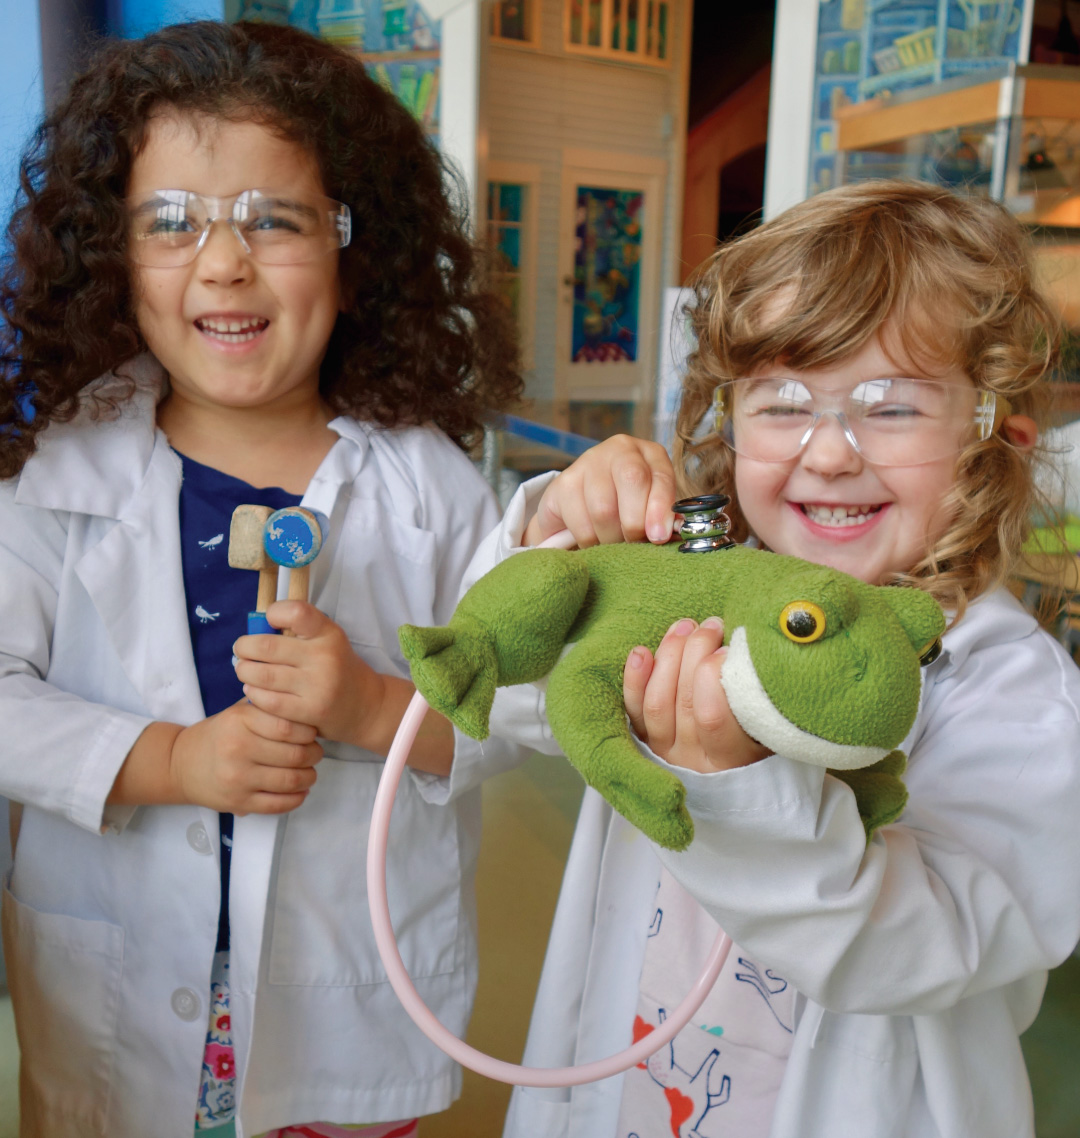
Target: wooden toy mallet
[{"x": 262, "y": 539}]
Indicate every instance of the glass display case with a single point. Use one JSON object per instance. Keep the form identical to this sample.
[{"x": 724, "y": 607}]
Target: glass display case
[
  {"x": 869, "y": 48},
  {"x": 1012, "y": 135}
]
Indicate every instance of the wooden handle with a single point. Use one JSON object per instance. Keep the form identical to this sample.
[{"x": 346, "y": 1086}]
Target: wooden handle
[
  {"x": 299, "y": 587},
  {"x": 267, "y": 588}
]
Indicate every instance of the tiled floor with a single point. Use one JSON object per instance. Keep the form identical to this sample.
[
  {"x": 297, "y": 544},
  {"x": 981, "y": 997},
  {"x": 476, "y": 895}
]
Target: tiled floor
[{"x": 529, "y": 817}]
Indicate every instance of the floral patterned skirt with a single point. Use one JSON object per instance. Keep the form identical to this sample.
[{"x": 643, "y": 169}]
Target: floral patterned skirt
[{"x": 217, "y": 1090}]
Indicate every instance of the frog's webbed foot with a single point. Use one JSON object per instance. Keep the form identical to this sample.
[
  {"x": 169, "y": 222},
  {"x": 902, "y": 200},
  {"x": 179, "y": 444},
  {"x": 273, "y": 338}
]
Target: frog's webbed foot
[
  {"x": 455, "y": 669},
  {"x": 879, "y": 790},
  {"x": 587, "y": 717},
  {"x": 508, "y": 629}
]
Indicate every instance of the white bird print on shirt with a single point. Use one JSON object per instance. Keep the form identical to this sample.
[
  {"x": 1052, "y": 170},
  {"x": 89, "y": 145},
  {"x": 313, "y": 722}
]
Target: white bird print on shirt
[
  {"x": 205, "y": 616},
  {"x": 213, "y": 542}
]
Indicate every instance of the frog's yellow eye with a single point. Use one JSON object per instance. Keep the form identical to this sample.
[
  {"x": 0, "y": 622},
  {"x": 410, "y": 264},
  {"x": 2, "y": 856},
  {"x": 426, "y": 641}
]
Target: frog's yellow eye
[
  {"x": 803, "y": 622},
  {"x": 930, "y": 653}
]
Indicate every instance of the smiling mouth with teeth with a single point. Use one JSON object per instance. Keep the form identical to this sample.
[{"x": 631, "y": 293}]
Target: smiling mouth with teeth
[
  {"x": 839, "y": 515},
  {"x": 232, "y": 331}
]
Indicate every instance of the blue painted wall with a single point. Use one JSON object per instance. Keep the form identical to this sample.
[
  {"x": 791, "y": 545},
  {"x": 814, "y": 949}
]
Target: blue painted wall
[
  {"x": 21, "y": 99},
  {"x": 133, "y": 18},
  {"x": 21, "y": 91}
]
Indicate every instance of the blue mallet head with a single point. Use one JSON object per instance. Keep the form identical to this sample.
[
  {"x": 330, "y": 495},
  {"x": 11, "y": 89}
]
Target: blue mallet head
[{"x": 293, "y": 537}]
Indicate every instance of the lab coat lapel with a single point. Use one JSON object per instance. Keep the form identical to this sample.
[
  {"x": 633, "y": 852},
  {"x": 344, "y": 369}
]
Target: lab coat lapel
[
  {"x": 134, "y": 579},
  {"x": 328, "y": 493},
  {"x": 255, "y": 836}
]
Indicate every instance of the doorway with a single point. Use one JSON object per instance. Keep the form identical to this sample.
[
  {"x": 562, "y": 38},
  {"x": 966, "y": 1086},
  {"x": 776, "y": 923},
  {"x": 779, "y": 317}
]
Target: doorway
[{"x": 611, "y": 222}]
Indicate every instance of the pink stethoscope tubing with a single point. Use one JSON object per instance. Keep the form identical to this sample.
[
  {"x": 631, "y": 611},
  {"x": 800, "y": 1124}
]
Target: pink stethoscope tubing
[{"x": 410, "y": 999}]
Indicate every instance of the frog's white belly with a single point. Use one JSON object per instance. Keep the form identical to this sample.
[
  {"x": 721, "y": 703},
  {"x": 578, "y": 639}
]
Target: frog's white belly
[{"x": 759, "y": 718}]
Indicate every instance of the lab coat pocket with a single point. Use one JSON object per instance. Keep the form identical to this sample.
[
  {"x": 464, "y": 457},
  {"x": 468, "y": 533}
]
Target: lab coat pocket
[
  {"x": 322, "y": 932},
  {"x": 387, "y": 578},
  {"x": 538, "y": 1114},
  {"x": 64, "y": 974}
]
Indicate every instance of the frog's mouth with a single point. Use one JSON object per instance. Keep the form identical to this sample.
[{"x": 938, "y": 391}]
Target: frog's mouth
[{"x": 760, "y": 719}]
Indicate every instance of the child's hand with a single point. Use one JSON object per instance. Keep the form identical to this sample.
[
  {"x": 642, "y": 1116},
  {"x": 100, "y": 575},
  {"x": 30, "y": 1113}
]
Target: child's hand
[
  {"x": 677, "y": 704},
  {"x": 313, "y": 676},
  {"x": 619, "y": 490},
  {"x": 244, "y": 761}
]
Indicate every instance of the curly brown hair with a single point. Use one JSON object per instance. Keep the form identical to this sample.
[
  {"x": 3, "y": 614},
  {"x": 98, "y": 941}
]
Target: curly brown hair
[
  {"x": 951, "y": 277},
  {"x": 423, "y": 339}
]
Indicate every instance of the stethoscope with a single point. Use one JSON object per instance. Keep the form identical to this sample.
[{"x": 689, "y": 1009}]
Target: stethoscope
[{"x": 704, "y": 529}]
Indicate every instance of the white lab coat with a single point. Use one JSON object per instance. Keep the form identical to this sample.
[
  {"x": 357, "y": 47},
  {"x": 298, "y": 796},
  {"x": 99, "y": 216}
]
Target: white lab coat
[
  {"x": 919, "y": 958},
  {"x": 111, "y": 914}
]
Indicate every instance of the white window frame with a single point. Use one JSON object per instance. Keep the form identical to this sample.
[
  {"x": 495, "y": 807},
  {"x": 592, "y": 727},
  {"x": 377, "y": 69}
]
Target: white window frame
[
  {"x": 525, "y": 174},
  {"x": 607, "y": 17},
  {"x": 532, "y": 23}
]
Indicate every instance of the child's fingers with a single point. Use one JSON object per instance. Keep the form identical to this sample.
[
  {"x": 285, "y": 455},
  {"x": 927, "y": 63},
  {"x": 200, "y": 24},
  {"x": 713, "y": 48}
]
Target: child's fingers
[
  {"x": 641, "y": 480},
  {"x": 304, "y": 620},
  {"x": 724, "y": 744},
  {"x": 628, "y": 485},
  {"x": 659, "y": 518},
  {"x": 581, "y": 505},
  {"x": 270, "y": 677},
  {"x": 289, "y": 780},
  {"x": 293, "y": 756},
  {"x": 661, "y": 693},
  {"x": 276, "y": 728},
  {"x": 700, "y": 645},
  {"x": 269, "y": 648},
  {"x": 562, "y": 506},
  {"x": 277, "y": 704},
  {"x": 263, "y": 803},
  {"x": 619, "y": 490},
  {"x": 270, "y": 789},
  {"x": 712, "y": 715},
  {"x": 298, "y": 617},
  {"x": 636, "y": 674},
  {"x": 645, "y": 480}
]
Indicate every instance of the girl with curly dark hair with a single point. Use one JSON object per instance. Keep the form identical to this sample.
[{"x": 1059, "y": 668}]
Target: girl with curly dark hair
[{"x": 236, "y": 279}]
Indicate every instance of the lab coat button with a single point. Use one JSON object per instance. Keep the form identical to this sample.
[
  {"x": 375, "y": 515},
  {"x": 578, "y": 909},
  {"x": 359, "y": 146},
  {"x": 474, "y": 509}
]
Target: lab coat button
[
  {"x": 199, "y": 839},
  {"x": 186, "y": 1004}
]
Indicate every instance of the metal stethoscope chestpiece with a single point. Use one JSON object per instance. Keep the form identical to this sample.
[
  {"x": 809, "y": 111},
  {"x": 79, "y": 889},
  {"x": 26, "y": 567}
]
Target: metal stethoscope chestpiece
[{"x": 705, "y": 525}]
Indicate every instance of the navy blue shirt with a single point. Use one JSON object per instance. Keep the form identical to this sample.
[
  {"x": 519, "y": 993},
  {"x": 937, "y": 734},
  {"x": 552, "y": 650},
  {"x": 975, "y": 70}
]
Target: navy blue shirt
[{"x": 218, "y": 601}]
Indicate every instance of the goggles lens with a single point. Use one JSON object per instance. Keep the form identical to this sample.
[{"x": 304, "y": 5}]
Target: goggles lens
[
  {"x": 890, "y": 422},
  {"x": 171, "y": 226}
]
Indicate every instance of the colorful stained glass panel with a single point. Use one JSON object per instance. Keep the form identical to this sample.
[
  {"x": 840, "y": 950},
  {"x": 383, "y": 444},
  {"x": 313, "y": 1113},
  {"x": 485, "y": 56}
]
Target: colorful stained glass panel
[
  {"x": 506, "y": 218},
  {"x": 607, "y": 275}
]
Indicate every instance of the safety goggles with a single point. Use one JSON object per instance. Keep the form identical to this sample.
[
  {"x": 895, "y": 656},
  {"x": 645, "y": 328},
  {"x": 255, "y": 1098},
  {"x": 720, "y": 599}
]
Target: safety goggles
[
  {"x": 890, "y": 422},
  {"x": 170, "y": 227}
]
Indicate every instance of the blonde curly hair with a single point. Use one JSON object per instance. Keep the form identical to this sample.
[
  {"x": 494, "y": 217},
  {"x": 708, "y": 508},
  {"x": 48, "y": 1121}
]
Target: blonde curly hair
[{"x": 950, "y": 279}]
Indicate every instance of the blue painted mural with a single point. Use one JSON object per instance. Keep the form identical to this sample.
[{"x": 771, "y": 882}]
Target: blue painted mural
[
  {"x": 873, "y": 47},
  {"x": 396, "y": 39}
]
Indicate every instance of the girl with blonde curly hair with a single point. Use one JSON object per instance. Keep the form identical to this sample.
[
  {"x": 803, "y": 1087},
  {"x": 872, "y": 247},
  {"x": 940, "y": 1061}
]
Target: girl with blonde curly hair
[{"x": 868, "y": 376}]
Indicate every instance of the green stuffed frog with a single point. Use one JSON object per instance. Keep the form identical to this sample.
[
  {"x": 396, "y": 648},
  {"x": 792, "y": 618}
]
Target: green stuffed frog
[{"x": 821, "y": 667}]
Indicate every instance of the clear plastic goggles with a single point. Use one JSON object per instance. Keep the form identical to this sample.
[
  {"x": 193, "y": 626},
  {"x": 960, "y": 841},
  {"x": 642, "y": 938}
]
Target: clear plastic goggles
[
  {"x": 890, "y": 422},
  {"x": 170, "y": 227}
]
